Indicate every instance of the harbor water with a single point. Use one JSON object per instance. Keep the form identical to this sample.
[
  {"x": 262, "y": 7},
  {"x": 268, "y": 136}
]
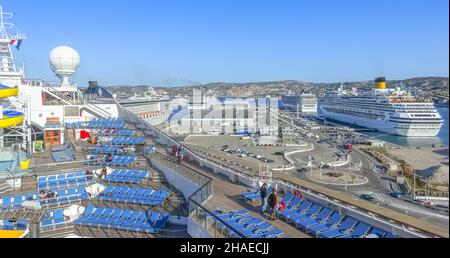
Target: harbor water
[{"x": 441, "y": 139}]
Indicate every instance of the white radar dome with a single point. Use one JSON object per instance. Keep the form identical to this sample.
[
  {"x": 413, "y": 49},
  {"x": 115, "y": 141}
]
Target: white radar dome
[{"x": 64, "y": 60}]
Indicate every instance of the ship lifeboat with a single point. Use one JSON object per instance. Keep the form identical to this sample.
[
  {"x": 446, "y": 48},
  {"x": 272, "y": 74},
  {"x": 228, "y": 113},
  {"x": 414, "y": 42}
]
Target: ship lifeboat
[
  {"x": 6, "y": 92},
  {"x": 11, "y": 119}
]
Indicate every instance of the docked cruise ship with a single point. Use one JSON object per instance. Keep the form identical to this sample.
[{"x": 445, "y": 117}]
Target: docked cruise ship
[
  {"x": 82, "y": 165},
  {"x": 393, "y": 111}
]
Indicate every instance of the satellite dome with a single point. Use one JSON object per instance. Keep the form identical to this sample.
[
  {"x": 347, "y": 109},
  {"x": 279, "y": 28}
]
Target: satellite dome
[{"x": 64, "y": 60}]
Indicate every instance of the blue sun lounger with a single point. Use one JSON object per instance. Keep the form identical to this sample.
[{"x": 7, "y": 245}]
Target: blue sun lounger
[
  {"x": 348, "y": 224},
  {"x": 305, "y": 215},
  {"x": 360, "y": 231},
  {"x": 333, "y": 221},
  {"x": 324, "y": 214}
]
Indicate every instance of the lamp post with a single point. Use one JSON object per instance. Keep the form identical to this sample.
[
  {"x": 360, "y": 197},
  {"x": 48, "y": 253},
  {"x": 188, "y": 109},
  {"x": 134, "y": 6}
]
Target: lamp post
[{"x": 414, "y": 193}]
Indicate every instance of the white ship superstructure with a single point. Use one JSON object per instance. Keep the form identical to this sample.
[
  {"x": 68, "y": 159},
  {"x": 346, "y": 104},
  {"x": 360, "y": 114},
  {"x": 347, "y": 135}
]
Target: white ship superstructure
[
  {"x": 392, "y": 111},
  {"x": 153, "y": 107},
  {"x": 38, "y": 107},
  {"x": 308, "y": 103},
  {"x": 303, "y": 103}
]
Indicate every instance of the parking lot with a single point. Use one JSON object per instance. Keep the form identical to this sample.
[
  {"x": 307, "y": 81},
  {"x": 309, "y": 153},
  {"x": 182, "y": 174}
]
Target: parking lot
[{"x": 243, "y": 150}]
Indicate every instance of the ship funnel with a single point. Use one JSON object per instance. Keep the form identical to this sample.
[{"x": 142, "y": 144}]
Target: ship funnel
[{"x": 380, "y": 83}]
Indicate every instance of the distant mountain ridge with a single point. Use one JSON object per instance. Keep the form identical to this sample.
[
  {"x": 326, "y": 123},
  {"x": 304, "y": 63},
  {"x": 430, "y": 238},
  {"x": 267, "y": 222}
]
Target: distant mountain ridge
[{"x": 435, "y": 87}]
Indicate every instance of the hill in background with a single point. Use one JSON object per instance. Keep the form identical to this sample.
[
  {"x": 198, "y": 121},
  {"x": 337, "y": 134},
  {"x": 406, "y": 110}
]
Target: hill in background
[{"x": 434, "y": 87}]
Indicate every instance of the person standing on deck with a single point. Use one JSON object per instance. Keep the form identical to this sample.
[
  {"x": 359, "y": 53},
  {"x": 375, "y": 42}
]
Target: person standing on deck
[
  {"x": 263, "y": 192},
  {"x": 272, "y": 201}
]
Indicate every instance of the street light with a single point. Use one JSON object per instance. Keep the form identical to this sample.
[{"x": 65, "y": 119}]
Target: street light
[{"x": 414, "y": 194}]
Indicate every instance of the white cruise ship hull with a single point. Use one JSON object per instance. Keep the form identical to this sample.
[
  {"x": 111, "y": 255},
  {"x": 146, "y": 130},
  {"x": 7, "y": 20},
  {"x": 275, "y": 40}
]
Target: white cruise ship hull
[{"x": 408, "y": 130}]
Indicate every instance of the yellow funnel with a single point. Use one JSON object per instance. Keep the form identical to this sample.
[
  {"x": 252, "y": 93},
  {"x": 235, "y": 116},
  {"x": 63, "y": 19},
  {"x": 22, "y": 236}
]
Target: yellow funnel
[{"x": 381, "y": 85}]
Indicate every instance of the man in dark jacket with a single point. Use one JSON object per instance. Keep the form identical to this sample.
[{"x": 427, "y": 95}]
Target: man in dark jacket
[
  {"x": 272, "y": 201},
  {"x": 263, "y": 191}
]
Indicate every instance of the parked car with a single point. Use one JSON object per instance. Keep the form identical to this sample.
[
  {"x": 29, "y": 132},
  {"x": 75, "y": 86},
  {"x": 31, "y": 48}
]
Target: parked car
[
  {"x": 303, "y": 170},
  {"x": 324, "y": 166},
  {"x": 396, "y": 195},
  {"x": 367, "y": 197}
]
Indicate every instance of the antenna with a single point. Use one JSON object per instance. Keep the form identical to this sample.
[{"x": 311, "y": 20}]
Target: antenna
[{"x": 4, "y": 26}]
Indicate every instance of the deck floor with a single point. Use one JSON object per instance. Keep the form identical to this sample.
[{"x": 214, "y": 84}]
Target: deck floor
[{"x": 226, "y": 196}]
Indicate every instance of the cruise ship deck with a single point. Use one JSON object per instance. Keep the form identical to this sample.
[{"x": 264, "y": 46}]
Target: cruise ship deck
[{"x": 197, "y": 190}]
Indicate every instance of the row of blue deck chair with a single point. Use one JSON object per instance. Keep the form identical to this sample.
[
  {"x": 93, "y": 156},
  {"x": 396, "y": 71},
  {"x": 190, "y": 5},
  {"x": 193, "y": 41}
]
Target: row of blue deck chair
[
  {"x": 13, "y": 225},
  {"x": 64, "y": 180},
  {"x": 129, "y": 220},
  {"x": 63, "y": 196},
  {"x": 111, "y": 149},
  {"x": 53, "y": 219},
  {"x": 113, "y": 123},
  {"x": 247, "y": 226},
  {"x": 75, "y": 125},
  {"x": 255, "y": 195},
  {"x": 126, "y": 176},
  {"x": 127, "y": 141},
  {"x": 106, "y": 125},
  {"x": 117, "y": 160},
  {"x": 133, "y": 195},
  {"x": 125, "y": 132},
  {"x": 120, "y": 161},
  {"x": 108, "y": 120},
  {"x": 323, "y": 222}
]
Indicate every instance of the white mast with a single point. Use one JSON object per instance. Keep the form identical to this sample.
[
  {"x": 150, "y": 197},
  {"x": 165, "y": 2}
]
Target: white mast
[{"x": 9, "y": 74}]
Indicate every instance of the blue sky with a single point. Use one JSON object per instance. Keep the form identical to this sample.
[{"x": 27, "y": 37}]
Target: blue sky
[{"x": 170, "y": 42}]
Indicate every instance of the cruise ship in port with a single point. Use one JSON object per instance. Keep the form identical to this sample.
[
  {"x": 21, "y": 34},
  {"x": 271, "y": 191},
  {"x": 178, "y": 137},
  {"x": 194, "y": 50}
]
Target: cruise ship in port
[
  {"x": 78, "y": 163},
  {"x": 393, "y": 111}
]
